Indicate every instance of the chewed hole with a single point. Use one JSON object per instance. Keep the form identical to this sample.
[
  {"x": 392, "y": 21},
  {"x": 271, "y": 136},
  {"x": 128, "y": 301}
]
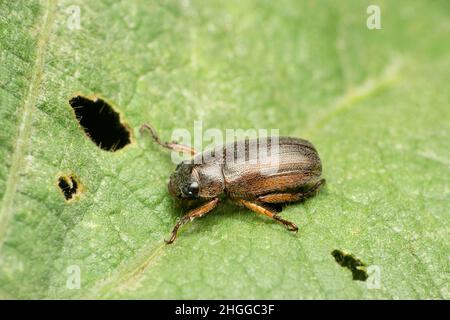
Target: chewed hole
[
  {"x": 70, "y": 186},
  {"x": 349, "y": 261},
  {"x": 101, "y": 123}
]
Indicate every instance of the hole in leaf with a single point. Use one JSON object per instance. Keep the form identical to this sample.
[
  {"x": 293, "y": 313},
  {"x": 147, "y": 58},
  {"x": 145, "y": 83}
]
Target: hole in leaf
[
  {"x": 69, "y": 186},
  {"x": 349, "y": 261},
  {"x": 101, "y": 123}
]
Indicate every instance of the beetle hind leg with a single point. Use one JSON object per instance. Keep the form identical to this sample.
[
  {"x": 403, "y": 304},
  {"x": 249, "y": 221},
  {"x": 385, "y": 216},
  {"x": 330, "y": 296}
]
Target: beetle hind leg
[
  {"x": 268, "y": 213},
  {"x": 292, "y": 197}
]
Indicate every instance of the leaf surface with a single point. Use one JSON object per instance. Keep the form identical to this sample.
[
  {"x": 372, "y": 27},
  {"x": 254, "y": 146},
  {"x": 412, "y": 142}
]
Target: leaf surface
[{"x": 374, "y": 103}]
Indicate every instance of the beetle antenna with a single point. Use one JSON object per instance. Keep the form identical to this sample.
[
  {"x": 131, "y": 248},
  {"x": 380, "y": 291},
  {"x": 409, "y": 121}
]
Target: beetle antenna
[{"x": 168, "y": 145}]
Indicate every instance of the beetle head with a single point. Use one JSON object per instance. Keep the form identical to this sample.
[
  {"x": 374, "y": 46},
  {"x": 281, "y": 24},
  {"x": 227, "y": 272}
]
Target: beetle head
[{"x": 183, "y": 182}]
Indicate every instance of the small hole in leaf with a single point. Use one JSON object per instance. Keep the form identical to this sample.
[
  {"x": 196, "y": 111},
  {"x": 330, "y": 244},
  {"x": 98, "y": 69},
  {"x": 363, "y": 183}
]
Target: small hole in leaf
[
  {"x": 69, "y": 186},
  {"x": 101, "y": 123},
  {"x": 349, "y": 261}
]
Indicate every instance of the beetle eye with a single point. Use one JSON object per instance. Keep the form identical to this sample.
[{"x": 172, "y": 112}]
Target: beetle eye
[{"x": 193, "y": 189}]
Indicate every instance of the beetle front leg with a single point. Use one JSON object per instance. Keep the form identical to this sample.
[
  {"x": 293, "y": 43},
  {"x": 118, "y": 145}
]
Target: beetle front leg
[
  {"x": 261, "y": 210},
  {"x": 195, "y": 213},
  {"x": 168, "y": 145}
]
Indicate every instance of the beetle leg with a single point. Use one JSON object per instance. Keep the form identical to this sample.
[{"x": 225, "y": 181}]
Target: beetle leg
[
  {"x": 191, "y": 215},
  {"x": 169, "y": 145},
  {"x": 264, "y": 211},
  {"x": 291, "y": 197}
]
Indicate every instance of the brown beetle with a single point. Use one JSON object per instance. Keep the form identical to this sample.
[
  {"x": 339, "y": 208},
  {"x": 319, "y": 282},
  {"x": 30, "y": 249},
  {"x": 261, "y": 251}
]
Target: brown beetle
[{"x": 243, "y": 177}]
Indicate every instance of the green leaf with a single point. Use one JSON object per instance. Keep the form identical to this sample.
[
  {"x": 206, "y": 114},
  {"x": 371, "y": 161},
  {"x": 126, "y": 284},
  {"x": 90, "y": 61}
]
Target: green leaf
[{"x": 374, "y": 102}]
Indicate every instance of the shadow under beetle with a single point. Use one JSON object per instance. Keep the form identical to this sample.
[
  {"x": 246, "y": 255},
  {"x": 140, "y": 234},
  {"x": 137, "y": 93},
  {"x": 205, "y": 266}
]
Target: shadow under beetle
[{"x": 259, "y": 186}]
